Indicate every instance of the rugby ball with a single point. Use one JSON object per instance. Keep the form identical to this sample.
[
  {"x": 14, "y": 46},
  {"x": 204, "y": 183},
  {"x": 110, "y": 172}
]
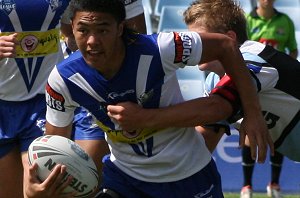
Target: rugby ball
[{"x": 49, "y": 150}]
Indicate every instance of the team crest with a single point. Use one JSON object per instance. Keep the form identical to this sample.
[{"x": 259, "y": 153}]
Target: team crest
[
  {"x": 54, "y": 4},
  {"x": 7, "y": 6}
]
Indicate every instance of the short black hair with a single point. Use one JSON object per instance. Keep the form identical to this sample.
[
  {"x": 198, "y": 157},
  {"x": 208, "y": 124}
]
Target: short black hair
[{"x": 114, "y": 7}]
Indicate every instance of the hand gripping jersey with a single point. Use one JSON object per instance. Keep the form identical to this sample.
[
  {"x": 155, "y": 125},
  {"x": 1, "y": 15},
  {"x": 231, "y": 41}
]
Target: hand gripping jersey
[
  {"x": 277, "y": 77},
  {"x": 37, "y": 25},
  {"x": 148, "y": 78}
]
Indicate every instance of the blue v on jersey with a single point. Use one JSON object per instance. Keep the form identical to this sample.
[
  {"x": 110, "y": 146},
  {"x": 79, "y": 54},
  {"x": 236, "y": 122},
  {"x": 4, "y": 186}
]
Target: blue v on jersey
[
  {"x": 148, "y": 78},
  {"x": 37, "y": 25}
]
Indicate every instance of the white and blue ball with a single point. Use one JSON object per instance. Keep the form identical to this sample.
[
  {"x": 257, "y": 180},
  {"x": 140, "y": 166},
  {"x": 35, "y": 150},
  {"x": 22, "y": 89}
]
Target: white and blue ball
[{"x": 49, "y": 150}]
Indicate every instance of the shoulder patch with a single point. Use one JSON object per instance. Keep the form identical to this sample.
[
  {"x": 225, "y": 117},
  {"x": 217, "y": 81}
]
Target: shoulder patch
[
  {"x": 54, "y": 100},
  {"x": 183, "y": 47}
]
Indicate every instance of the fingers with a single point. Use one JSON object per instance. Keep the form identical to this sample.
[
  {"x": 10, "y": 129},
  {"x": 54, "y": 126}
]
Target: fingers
[
  {"x": 33, "y": 173},
  {"x": 242, "y": 138},
  {"x": 258, "y": 143},
  {"x": 55, "y": 178},
  {"x": 8, "y": 46},
  {"x": 253, "y": 147}
]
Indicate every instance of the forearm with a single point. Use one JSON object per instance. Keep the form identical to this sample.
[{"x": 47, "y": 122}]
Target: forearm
[
  {"x": 62, "y": 131},
  {"x": 231, "y": 58},
  {"x": 241, "y": 76},
  {"x": 195, "y": 112}
]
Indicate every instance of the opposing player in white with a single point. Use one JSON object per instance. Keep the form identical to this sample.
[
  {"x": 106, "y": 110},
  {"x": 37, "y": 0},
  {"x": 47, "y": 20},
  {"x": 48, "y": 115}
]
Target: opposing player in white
[
  {"x": 114, "y": 65},
  {"x": 275, "y": 75}
]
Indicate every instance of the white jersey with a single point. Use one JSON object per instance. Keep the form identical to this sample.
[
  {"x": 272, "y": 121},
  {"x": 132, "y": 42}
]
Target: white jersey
[
  {"x": 37, "y": 24},
  {"x": 277, "y": 77},
  {"x": 148, "y": 78}
]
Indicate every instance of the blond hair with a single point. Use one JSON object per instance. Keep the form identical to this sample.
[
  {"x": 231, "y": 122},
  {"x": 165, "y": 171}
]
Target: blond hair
[{"x": 219, "y": 16}]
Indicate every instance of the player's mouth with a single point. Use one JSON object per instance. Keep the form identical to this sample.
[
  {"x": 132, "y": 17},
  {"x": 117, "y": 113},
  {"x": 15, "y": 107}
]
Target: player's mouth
[{"x": 94, "y": 52}]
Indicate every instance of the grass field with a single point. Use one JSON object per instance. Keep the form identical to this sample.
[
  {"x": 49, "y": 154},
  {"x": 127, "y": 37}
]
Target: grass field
[{"x": 257, "y": 195}]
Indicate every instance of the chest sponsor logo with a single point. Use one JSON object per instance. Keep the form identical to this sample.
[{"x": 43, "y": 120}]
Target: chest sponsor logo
[
  {"x": 29, "y": 43},
  {"x": 7, "y": 6},
  {"x": 54, "y": 100},
  {"x": 130, "y": 137},
  {"x": 34, "y": 44},
  {"x": 144, "y": 97},
  {"x": 114, "y": 95},
  {"x": 183, "y": 47}
]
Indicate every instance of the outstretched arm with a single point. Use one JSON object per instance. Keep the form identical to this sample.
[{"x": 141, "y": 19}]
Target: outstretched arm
[
  {"x": 230, "y": 57},
  {"x": 200, "y": 111}
]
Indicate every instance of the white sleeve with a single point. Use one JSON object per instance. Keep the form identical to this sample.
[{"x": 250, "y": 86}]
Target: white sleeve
[
  {"x": 178, "y": 49},
  {"x": 133, "y": 8},
  {"x": 267, "y": 77},
  {"x": 60, "y": 106}
]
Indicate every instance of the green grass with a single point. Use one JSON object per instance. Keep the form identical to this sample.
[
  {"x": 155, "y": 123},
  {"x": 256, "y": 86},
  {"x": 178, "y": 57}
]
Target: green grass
[{"x": 258, "y": 195}]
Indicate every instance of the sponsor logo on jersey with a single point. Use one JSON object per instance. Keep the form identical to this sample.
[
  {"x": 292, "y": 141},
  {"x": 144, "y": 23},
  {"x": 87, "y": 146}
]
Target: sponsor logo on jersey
[
  {"x": 7, "y": 6},
  {"x": 114, "y": 95},
  {"x": 130, "y": 137},
  {"x": 183, "y": 47},
  {"x": 144, "y": 97},
  {"x": 29, "y": 43},
  {"x": 34, "y": 43},
  {"x": 54, "y": 100}
]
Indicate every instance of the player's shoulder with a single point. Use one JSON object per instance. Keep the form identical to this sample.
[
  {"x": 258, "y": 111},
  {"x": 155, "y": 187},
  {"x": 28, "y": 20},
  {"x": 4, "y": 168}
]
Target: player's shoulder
[
  {"x": 141, "y": 42},
  {"x": 75, "y": 63},
  {"x": 74, "y": 58},
  {"x": 252, "y": 47}
]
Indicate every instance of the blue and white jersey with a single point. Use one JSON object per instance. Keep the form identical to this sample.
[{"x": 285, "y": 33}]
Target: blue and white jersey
[
  {"x": 37, "y": 25},
  {"x": 277, "y": 78},
  {"x": 148, "y": 78}
]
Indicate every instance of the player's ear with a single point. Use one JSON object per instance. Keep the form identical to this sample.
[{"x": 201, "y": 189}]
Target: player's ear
[
  {"x": 231, "y": 34},
  {"x": 121, "y": 27}
]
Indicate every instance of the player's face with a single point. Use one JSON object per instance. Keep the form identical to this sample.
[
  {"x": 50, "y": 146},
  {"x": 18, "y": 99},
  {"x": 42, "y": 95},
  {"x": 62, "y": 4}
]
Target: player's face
[
  {"x": 266, "y": 3},
  {"x": 99, "y": 38}
]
